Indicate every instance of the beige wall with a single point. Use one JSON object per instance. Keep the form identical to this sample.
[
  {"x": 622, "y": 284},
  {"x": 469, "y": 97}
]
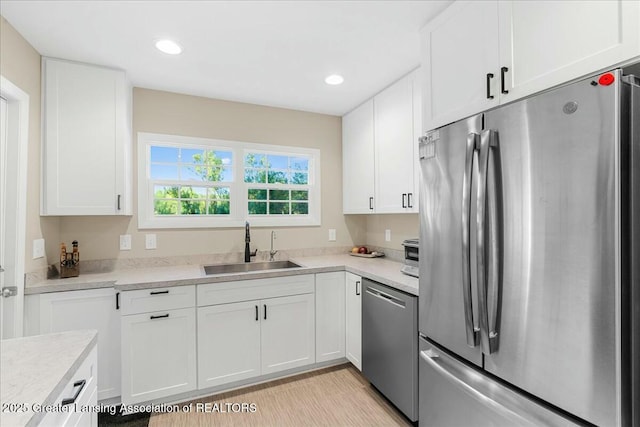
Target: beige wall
[
  {"x": 20, "y": 63},
  {"x": 171, "y": 113},
  {"x": 402, "y": 226}
]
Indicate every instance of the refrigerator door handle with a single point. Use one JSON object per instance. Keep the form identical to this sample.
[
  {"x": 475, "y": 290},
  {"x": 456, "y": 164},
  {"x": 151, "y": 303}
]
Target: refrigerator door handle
[
  {"x": 472, "y": 331},
  {"x": 488, "y": 334}
]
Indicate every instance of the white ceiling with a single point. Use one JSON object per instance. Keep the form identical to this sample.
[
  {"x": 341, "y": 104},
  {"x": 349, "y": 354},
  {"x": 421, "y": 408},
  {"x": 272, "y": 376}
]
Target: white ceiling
[{"x": 273, "y": 53}]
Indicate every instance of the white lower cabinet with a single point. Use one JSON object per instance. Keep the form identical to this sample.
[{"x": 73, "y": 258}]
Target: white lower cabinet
[
  {"x": 354, "y": 319},
  {"x": 228, "y": 343},
  {"x": 244, "y": 337},
  {"x": 330, "y": 316},
  {"x": 86, "y": 309},
  {"x": 159, "y": 347}
]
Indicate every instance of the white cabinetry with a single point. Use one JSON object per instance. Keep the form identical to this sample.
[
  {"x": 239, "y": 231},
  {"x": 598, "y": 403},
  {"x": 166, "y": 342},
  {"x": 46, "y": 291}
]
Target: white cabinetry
[
  {"x": 158, "y": 343},
  {"x": 261, "y": 326},
  {"x": 354, "y": 319},
  {"x": 86, "y": 140},
  {"x": 86, "y": 309},
  {"x": 379, "y": 151},
  {"x": 358, "y": 160},
  {"x": 330, "y": 316},
  {"x": 477, "y": 55}
]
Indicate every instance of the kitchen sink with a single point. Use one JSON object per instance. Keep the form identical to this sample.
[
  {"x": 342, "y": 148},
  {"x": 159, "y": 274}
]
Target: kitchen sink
[{"x": 247, "y": 266}]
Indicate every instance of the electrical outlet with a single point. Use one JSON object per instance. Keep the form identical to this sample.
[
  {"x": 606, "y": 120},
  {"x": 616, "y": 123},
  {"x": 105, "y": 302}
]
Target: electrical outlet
[
  {"x": 150, "y": 241},
  {"x": 125, "y": 242},
  {"x": 387, "y": 235},
  {"x": 38, "y": 248},
  {"x": 332, "y": 235}
]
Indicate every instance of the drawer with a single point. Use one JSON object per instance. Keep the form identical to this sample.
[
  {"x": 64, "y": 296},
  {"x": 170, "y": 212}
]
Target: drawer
[
  {"x": 247, "y": 290},
  {"x": 157, "y": 299},
  {"x": 81, "y": 388}
]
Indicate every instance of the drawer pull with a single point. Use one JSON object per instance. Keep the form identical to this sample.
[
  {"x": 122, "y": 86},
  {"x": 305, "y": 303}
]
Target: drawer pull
[
  {"x": 80, "y": 385},
  {"x": 163, "y": 316},
  {"x": 158, "y": 292}
]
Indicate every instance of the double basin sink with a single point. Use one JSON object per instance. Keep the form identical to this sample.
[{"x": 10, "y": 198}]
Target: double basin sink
[{"x": 246, "y": 267}]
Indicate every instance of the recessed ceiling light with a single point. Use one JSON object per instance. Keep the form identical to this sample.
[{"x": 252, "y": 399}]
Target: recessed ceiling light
[
  {"x": 334, "y": 79},
  {"x": 169, "y": 46}
]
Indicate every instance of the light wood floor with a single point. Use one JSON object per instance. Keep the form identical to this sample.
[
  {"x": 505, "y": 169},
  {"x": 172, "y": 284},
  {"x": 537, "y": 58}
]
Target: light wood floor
[{"x": 336, "y": 396}]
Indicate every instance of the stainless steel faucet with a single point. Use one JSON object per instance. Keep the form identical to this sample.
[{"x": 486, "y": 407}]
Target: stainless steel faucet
[
  {"x": 272, "y": 253},
  {"x": 247, "y": 238}
]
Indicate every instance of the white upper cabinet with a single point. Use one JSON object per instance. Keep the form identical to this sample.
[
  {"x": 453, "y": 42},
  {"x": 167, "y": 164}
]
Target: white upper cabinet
[
  {"x": 86, "y": 140},
  {"x": 379, "y": 154},
  {"x": 357, "y": 160},
  {"x": 478, "y": 54}
]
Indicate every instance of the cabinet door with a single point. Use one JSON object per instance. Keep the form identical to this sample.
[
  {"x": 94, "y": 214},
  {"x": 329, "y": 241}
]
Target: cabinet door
[
  {"x": 288, "y": 332},
  {"x": 394, "y": 160},
  {"x": 228, "y": 343},
  {"x": 88, "y": 309},
  {"x": 354, "y": 319},
  {"x": 86, "y": 139},
  {"x": 158, "y": 354},
  {"x": 330, "y": 316},
  {"x": 547, "y": 43},
  {"x": 358, "y": 160},
  {"x": 459, "y": 49}
]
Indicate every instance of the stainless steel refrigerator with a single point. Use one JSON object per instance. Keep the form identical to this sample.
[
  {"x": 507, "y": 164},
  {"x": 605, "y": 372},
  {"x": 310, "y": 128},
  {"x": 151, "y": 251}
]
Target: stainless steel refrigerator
[{"x": 529, "y": 305}]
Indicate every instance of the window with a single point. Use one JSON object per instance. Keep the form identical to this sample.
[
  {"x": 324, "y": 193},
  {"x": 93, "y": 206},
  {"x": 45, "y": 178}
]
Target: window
[{"x": 186, "y": 182}]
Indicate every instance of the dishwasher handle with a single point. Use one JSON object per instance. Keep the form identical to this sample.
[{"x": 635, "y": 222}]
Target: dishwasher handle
[{"x": 385, "y": 297}]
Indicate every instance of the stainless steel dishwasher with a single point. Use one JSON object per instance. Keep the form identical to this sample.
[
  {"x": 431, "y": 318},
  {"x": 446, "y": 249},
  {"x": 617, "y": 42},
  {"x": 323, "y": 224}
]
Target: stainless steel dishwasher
[{"x": 390, "y": 344}]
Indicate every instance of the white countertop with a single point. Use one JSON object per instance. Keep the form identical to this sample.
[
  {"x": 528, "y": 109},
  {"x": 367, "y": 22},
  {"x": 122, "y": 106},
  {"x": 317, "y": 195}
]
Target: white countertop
[
  {"x": 36, "y": 369},
  {"x": 379, "y": 269}
]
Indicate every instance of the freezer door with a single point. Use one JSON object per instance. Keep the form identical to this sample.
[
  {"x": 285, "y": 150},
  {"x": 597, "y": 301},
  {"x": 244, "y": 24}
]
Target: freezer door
[
  {"x": 452, "y": 395},
  {"x": 447, "y": 313},
  {"x": 553, "y": 308}
]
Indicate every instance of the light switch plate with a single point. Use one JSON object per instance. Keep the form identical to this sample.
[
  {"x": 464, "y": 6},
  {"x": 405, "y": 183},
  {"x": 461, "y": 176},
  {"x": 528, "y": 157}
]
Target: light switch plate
[
  {"x": 38, "y": 248},
  {"x": 332, "y": 235},
  {"x": 125, "y": 242},
  {"x": 387, "y": 235},
  {"x": 150, "y": 241}
]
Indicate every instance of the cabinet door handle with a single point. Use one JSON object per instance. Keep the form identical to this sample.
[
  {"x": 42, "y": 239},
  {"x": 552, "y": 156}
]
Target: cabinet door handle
[
  {"x": 256, "y": 313},
  {"x": 489, "y": 77},
  {"x": 158, "y": 292},
  {"x": 409, "y": 204},
  {"x": 404, "y": 200},
  {"x": 80, "y": 384},
  {"x": 265, "y": 311},
  {"x": 371, "y": 203},
  {"x": 503, "y": 70},
  {"x": 119, "y": 197},
  {"x": 117, "y": 300},
  {"x": 357, "y": 287},
  {"x": 162, "y": 316}
]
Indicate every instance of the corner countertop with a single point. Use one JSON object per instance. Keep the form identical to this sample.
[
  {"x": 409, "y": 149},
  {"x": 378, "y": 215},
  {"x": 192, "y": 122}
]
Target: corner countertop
[
  {"x": 36, "y": 369},
  {"x": 378, "y": 269}
]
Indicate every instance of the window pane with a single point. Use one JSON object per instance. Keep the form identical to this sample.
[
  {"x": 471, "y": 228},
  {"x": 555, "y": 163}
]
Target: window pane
[
  {"x": 221, "y": 193},
  {"x": 299, "y": 164},
  {"x": 164, "y": 171},
  {"x": 193, "y": 207},
  {"x": 254, "y": 175},
  {"x": 299, "y": 195},
  {"x": 162, "y": 192},
  {"x": 277, "y": 162},
  {"x": 278, "y": 194},
  {"x": 257, "y": 208},
  {"x": 255, "y": 160},
  {"x": 224, "y": 156},
  {"x": 277, "y": 177},
  {"x": 164, "y": 154},
  {"x": 301, "y": 178},
  {"x": 300, "y": 208},
  {"x": 255, "y": 194},
  {"x": 191, "y": 155},
  {"x": 279, "y": 208},
  {"x": 218, "y": 207},
  {"x": 193, "y": 173},
  {"x": 188, "y": 193},
  {"x": 165, "y": 207}
]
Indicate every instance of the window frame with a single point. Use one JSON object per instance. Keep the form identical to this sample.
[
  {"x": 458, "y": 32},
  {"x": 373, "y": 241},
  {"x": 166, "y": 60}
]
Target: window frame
[{"x": 238, "y": 188}]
